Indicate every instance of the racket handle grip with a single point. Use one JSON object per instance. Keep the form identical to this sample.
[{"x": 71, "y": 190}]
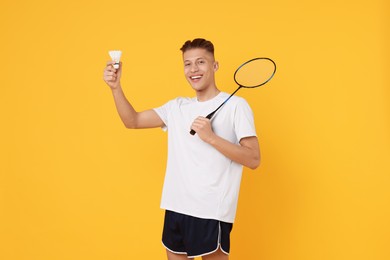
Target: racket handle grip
[{"x": 209, "y": 116}]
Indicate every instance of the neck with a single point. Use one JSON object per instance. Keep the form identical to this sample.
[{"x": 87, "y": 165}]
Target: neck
[{"x": 207, "y": 94}]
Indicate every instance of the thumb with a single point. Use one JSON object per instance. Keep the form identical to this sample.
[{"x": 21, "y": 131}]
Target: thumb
[{"x": 119, "y": 70}]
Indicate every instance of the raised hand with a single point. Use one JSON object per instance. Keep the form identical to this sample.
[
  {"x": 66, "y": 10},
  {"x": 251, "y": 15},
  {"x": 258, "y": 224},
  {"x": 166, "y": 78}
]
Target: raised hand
[{"x": 112, "y": 76}]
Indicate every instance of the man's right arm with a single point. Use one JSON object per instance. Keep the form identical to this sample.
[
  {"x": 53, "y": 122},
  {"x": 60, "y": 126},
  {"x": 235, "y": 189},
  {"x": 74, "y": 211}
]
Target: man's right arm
[{"x": 129, "y": 116}]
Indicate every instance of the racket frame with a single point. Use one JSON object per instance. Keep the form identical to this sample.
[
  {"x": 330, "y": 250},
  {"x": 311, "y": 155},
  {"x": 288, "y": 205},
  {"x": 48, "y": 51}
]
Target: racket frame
[{"x": 209, "y": 116}]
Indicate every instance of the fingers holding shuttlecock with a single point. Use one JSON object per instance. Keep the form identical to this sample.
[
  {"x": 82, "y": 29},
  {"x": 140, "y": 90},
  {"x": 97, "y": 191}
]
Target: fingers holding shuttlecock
[{"x": 115, "y": 56}]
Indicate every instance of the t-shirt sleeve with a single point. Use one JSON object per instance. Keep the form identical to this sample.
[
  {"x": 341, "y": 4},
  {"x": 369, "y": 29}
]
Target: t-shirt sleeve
[
  {"x": 163, "y": 112},
  {"x": 244, "y": 125}
]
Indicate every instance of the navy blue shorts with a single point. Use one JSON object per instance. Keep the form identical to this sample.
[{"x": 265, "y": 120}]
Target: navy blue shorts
[{"x": 193, "y": 236}]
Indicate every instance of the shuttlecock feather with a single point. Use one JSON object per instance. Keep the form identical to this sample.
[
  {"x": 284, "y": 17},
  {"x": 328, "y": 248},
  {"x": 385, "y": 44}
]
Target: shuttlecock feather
[{"x": 115, "y": 56}]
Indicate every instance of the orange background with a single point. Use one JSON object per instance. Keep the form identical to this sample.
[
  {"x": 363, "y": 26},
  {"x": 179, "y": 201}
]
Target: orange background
[{"x": 75, "y": 184}]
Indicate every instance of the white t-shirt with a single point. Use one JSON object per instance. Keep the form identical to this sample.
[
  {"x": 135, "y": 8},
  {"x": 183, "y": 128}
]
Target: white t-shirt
[{"x": 199, "y": 180}]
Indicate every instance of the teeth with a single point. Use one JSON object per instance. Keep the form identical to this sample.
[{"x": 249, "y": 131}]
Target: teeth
[{"x": 196, "y": 77}]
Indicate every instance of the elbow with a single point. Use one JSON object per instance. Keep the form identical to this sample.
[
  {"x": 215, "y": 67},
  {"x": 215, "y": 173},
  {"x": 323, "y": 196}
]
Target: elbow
[
  {"x": 254, "y": 164},
  {"x": 130, "y": 124}
]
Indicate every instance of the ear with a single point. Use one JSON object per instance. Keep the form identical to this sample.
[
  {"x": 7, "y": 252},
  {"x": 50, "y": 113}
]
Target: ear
[{"x": 216, "y": 66}]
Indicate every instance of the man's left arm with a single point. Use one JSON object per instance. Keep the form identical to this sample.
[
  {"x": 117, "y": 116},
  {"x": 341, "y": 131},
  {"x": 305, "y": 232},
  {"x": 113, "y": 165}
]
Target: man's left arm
[{"x": 247, "y": 153}]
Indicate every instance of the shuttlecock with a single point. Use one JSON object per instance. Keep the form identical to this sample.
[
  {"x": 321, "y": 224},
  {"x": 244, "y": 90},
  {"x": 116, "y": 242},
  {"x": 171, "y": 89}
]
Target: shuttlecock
[{"x": 115, "y": 56}]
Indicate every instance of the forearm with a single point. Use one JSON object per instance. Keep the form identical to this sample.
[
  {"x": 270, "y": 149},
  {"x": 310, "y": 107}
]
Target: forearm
[
  {"x": 125, "y": 110},
  {"x": 247, "y": 155}
]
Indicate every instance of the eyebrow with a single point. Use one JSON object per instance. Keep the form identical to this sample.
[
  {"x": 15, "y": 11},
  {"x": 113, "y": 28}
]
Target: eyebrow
[{"x": 200, "y": 58}]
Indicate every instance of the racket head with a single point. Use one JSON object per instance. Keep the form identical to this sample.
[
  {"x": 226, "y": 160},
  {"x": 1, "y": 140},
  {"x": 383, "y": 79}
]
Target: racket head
[{"x": 255, "y": 72}]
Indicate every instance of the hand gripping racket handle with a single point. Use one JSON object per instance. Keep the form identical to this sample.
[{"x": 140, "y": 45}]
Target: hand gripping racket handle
[{"x": 209, "y": 116}]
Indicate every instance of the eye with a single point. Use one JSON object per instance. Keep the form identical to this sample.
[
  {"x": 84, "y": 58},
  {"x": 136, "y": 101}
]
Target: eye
[{"x": 201, "y": 62}]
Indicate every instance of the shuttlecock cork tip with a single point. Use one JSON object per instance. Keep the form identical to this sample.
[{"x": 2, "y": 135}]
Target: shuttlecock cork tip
[{"x": 115, "y": 56}]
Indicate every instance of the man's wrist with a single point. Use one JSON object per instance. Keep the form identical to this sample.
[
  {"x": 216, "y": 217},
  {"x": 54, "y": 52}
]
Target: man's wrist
[
  {"x": 212, "y": 139},
  {"x": 116, "y": 89}
]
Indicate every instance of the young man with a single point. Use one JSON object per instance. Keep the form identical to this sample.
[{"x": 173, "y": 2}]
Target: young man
[{"x": 203, "y": 172}]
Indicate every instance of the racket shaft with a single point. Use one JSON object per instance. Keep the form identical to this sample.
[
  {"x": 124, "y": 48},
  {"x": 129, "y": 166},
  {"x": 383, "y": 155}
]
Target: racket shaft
[{"x": 209, "y": 116}]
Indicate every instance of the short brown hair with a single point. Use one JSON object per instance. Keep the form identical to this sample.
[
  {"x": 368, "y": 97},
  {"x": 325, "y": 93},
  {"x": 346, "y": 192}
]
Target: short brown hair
[{"x": 198, "y": 43}]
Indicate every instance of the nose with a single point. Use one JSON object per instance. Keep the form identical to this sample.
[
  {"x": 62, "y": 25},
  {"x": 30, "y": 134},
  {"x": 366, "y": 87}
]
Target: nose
[{"x": 194, "y": 68}]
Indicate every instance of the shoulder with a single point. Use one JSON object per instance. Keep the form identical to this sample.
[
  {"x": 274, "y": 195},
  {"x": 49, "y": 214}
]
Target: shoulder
[{"x": 234, "y": 100}]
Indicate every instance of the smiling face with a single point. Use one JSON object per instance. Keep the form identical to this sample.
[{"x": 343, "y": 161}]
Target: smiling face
[{"x": 199, "y": 69}]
